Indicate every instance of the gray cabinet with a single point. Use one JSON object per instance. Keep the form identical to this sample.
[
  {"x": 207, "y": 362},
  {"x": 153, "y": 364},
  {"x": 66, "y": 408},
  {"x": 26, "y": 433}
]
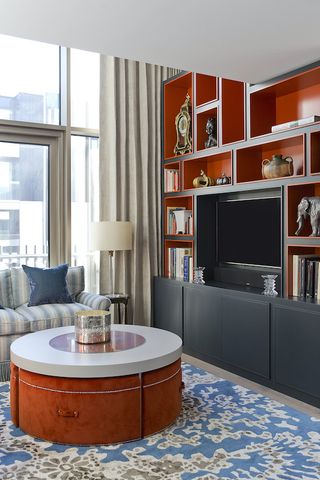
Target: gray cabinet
[
  {"x": 274, "y": 341},
  {"x": 202, "y": 322},
  {"x": 167, "y": 305},
  {"x": 296, "y": 348},
  {"x": 246, "y": 334}
]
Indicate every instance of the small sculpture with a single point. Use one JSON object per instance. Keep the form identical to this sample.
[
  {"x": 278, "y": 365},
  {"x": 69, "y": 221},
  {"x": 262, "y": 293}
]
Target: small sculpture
[
  {"x": 211, "y": 129},
  {"x": 202, "y": 180},
  {"x": 223, "y": 180},
  {"x": 309, "y": 206}
]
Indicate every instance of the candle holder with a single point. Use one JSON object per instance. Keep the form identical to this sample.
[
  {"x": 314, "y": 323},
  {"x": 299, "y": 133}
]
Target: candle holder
[
  {"x": 269, "y": 285},
  {"x": 198, "y": 275}
]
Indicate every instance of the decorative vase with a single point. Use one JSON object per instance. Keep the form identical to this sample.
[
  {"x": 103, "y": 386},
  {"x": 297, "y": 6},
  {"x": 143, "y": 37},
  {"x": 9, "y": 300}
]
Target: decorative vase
[
  {"x": 277, "y": 167},
  {"x": 198, "y": 275},
  {"x": 269, "y": 285}
]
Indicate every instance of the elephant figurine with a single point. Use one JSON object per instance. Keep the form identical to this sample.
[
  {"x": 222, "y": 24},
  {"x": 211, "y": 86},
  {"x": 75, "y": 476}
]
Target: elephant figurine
[{"x": 309, "y": 206}]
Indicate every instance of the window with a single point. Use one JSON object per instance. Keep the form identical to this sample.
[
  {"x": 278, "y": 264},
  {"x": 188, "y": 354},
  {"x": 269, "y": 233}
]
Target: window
[
  {"x": 29, "y": 80},
  {"x": 23, "y": 204},
  {"x": 85, "y": 68},
  {"x": 85, "y": 201}
]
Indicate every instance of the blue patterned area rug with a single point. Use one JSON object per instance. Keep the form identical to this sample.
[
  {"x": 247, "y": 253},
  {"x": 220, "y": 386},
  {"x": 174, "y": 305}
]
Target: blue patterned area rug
[{"x": 224, "y": 432}]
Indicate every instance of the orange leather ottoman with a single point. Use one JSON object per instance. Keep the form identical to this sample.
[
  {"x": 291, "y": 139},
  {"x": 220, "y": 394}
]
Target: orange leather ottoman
[{"x": 96, "y": 409}]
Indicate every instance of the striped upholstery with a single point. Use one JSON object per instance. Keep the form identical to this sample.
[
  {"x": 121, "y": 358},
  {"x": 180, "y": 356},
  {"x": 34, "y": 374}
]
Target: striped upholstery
[
  {"x": 5, "y": 342},
  {"x": 15, "y": 293},
  {"x": 50, "y": 316},
  {"x": 75, "y": 281},
  {"x": 6, "y": 299},
  {"x": 11, "y": 322},
  {"x": 20, "y": 287},
  {"x": 96, "y": 302}
]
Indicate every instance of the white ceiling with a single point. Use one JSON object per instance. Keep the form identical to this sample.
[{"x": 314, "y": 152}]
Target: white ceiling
[{"x": 249, "y": 40}]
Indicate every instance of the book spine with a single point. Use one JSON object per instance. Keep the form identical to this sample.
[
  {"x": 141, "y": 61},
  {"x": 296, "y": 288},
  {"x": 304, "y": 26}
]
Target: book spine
[
  {"x": 302, "y": 277},
  {"x": 295, "y": 275},
  {"x": 309, "y": 278},
  {"x": 317, "y": 280},
  {"x": 186, "y": 268},
  {"x": 190, "y": 269}
]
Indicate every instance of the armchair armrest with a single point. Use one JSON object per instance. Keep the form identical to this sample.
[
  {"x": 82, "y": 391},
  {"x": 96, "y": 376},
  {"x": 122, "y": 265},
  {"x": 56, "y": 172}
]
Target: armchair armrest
[{"x": 95, "y": 301}]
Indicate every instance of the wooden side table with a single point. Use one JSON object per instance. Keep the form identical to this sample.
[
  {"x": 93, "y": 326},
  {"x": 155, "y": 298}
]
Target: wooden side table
[{"x": 118, "y": 299}]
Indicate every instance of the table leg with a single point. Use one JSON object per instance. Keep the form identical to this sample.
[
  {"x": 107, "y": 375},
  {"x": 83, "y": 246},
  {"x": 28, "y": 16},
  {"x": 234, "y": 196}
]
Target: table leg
[{"x": 119, "y": 314}]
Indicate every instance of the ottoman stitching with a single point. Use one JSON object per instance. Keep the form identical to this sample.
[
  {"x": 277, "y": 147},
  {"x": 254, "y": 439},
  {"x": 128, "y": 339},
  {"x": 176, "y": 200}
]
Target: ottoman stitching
[
  {"x": 78, "y": 392},
  {"x": 164, "y": 380}
]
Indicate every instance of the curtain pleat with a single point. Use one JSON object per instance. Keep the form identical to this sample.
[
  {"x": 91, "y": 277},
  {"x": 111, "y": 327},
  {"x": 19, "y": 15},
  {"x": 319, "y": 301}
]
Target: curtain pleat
[{"x": 130, "y": 172}]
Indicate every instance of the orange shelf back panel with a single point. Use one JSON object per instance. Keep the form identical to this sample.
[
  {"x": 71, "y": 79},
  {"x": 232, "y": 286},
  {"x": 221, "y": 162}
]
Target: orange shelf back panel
[
  {"x": 213, "y": 166},
  {"x": 174, "y": 96},
  {"x": 206, "y": 89},
  {"x": 249, "y": 159},
  {"x": 292, "y": 99},
  {"x": 232, "y": 111},
  {"x": 294, "y": 194}
]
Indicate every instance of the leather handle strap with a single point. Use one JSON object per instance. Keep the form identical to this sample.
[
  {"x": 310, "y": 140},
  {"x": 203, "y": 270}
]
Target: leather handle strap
[{"x": 67, "y": 413}]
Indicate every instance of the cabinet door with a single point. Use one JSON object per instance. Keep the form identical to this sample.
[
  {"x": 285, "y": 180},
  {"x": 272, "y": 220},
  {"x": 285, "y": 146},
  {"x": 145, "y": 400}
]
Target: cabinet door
[
  {"x": 245, "y": 334},
  {"x": 167, "y": 305},
  {"x": 202, "y": 330},
  {"x": 297, "y": 350}
]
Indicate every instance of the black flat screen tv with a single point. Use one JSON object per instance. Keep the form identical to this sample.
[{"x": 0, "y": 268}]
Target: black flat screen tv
[{"x": 249, "y": 232}]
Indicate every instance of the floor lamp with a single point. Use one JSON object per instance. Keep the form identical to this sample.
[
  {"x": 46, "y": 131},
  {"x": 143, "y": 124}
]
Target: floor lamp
[{"x": 111, "y": 237}]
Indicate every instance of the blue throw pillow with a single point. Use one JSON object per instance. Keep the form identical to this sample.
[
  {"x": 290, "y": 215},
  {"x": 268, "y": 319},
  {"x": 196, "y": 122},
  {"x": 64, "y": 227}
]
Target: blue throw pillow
[
  {"x": 1, "y": 307},
  {"x": 48, "y": 285}
]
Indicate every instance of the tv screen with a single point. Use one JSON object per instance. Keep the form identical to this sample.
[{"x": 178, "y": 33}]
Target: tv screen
[{"x": 249, "y": 231}]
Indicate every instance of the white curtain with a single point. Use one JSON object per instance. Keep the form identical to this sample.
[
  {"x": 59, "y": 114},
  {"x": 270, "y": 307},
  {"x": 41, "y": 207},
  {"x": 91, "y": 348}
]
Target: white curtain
[{"x": 130, "y": 159}]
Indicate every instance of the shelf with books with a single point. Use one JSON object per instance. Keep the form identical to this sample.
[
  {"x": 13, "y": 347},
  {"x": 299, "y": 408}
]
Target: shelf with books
[
  {"x": 285, "y": 101},
  {"x": 249, "y": 159},
  {"x": 178, "y": 215},
  {"x": 178, "y": 259},
  {"x": 315, "y": 153},
  {"x": 294, "y": 194},
  {"x": 174, "y": 95},
  {"x": 303, "y": 272},
  {"x": 171, "y": 177},
  {"x": 214, "y": 166},
  {"x": 202, "y": 135},
  {"x": 206, "y": 89},
  {"x": 233, "y": 98}
]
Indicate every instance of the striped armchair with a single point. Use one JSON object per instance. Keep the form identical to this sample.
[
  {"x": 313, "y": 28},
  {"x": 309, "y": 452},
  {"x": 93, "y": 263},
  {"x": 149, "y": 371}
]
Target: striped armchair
[{"x": 17, "y": 318}]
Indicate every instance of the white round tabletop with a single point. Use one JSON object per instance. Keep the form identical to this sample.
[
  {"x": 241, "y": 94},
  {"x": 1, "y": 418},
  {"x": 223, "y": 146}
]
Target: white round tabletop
[{"x": 34, "y": 353}]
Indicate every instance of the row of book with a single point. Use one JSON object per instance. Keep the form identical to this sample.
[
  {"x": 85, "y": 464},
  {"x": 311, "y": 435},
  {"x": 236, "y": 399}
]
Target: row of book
[
  {"x": 180, "y": 264},
  {"x": 295, "y": 123},
  {"x": 171, "y": 180},
  {"x": 306, "y": 276},
  {"x": 179, "y": 221}
]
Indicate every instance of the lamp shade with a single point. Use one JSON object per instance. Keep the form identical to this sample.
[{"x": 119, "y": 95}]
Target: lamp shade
[{"x": 111, "y": 236}]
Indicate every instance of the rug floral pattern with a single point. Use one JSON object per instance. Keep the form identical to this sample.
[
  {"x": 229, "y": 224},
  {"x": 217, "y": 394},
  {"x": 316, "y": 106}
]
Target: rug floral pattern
[{"x": 224, "y": 432}]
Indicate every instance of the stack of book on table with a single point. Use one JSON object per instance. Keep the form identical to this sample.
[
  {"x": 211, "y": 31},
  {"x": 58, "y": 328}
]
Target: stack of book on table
[
  {"x": 295, "y": 123},
  {"x": 171, "y": 180},
  {"x": 180, "y": 264},
  {"x": 306, "y": 276}
]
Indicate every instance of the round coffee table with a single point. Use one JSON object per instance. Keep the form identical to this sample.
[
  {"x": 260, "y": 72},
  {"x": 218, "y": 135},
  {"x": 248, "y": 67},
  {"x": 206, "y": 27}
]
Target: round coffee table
[{"x": 124, "y": 390}]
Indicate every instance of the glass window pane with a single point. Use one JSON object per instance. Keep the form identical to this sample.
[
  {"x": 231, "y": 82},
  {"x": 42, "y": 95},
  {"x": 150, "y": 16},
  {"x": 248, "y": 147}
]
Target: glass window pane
[
  {"x": 23, "y": 204},
  {"x": 85, "y": 203},
  {"x": 29, "y": 80},
  {"x": 85, "y": 71}
]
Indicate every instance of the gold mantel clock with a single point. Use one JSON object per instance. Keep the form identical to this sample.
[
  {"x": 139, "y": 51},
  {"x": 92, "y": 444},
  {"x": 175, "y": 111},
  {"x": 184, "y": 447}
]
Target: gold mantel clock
[{"x": 183, "y": 128}]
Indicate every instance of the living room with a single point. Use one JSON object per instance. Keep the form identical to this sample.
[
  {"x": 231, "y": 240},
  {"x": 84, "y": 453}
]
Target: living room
[{"x": 159, "y": 240}]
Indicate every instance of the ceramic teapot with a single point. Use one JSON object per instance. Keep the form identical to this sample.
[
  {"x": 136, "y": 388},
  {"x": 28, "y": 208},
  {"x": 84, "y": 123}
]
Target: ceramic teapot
[{"x": 277, "y": 167}]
